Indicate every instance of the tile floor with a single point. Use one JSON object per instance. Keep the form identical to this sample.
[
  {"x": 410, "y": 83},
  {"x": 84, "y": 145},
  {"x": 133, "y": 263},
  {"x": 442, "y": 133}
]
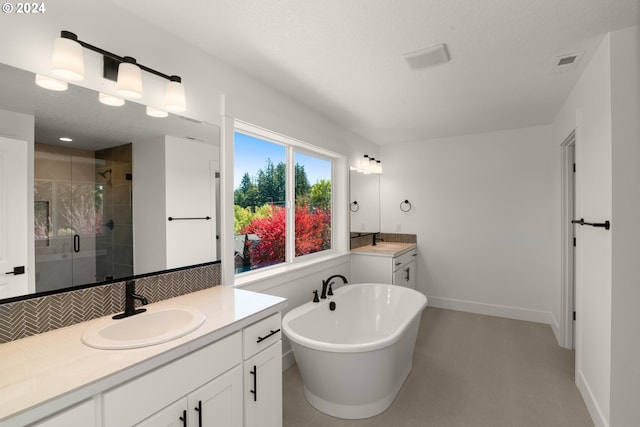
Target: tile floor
[{"x": 470, "y": 370}]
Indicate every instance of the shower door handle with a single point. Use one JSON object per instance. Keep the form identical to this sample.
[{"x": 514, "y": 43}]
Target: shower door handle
[{"x": 76, "y": 243}]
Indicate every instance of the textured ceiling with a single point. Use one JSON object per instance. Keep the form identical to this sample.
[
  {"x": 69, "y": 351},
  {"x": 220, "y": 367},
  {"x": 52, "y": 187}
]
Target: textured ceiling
[{"x": 343, "y": 58}]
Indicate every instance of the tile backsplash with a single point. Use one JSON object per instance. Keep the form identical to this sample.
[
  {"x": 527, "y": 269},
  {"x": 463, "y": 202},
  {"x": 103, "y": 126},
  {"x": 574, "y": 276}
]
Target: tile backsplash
[
  {"x": 33, "y": 316},
  {"x": 358, "y": 240}
]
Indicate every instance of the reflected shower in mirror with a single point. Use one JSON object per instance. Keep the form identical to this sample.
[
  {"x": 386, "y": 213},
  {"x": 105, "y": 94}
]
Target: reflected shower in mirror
[{"x": 105, "y": 181}]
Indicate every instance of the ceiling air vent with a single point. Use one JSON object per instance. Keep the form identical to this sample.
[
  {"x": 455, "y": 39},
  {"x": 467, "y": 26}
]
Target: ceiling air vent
[
  {"x": 423, "y": 58},
  {"x": 566, "y": 62}
]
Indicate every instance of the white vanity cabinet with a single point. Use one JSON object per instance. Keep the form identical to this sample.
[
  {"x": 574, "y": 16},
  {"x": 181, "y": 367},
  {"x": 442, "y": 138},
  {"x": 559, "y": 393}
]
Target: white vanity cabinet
[
  {"x": 406, "y": 276},
  {"x": 80, "y": 415},
  {"x": 204, "y": 379},
  {"x": 395, "y": 268},
  {"x": 263, "y": 373},
  {"x": 216, "y": 404}
]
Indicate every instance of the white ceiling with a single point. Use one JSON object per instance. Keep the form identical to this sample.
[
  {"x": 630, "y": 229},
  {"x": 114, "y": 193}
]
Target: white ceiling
[{"x": 343, "y": 58}]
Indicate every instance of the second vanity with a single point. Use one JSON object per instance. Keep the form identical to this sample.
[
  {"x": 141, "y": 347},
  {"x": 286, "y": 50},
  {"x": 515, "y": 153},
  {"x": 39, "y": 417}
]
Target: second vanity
[
  {"x": 386, "y": 262},
  {"x": 228, "y": 372}
]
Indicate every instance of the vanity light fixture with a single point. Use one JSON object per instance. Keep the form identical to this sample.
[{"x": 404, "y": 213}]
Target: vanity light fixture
[
  {"x": 68, "y": 61},
  {"x": 68, "y": 64},
  {"x": 108, "y": 99},
  {"x": 50, "y": 83},
  {"x": 154, "y": 112},
  {"x": 65, "y": 139},
  {"x": 129, "y": 82},
  {"x": 368, "y": 165},
  {"x": 174, "y": 96},
  {"x": 378, "y": 167}
]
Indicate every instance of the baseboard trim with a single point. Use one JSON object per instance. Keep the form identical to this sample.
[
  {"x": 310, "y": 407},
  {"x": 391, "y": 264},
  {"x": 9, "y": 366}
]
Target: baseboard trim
[
  {"x": 555, "y": 327},
  {"x": 491, "y": 309},
  {"x": 592, "y": 406},
  {"x": 287, "y": 360}
]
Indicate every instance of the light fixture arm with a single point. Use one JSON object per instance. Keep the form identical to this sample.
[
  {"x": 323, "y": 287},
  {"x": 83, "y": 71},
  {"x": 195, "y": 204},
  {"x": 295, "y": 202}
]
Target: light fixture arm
[{"x": 72, "y": 36}]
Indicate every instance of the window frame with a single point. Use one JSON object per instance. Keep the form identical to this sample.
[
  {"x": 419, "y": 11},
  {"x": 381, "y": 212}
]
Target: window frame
[{"x": 292, "y": 146}]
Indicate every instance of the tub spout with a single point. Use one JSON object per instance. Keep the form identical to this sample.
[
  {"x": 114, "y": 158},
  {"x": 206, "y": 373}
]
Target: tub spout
[{"x": 327, "y": 283}]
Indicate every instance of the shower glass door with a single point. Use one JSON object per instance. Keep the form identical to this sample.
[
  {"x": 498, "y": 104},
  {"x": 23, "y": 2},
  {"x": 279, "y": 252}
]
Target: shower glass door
[{"x": 68, "y": 216}]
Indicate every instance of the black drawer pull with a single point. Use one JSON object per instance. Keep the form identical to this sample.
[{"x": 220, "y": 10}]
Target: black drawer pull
[
  {"x": 183, "y": 418},
  {"x": 255, "y": 383},
  {"x": 260, "y": 339},
  {"x": 198, "y": 409}
]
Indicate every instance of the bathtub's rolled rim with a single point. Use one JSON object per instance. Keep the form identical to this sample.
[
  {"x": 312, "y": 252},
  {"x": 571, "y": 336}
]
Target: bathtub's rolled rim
[{"x": 386, "y": 341}]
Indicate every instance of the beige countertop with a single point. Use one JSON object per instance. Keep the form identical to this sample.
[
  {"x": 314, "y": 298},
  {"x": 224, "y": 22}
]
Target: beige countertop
[
  {"x": 53, "y": 370},
  {"x": 388, "y": 249}
]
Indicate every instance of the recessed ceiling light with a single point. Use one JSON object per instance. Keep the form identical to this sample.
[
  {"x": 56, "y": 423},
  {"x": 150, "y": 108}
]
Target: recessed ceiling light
[{"x": 65, "y": 139}]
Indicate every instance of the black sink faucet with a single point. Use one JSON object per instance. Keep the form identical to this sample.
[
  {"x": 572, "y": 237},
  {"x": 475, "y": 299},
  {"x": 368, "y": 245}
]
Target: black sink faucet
[
  {"x": 376, "y": 239},
  {"x": 129, "y": 301},
  {"x": 327, "y": 284}
]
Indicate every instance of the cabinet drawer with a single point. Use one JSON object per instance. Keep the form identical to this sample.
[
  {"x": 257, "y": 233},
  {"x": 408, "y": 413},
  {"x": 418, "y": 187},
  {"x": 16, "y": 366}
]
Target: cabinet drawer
[
  {"x": 261, "y": 335},
  {"x": 404, "y": 259},
  {"x": 81, "y": 415},
  {"x": 137, "y": 399}
]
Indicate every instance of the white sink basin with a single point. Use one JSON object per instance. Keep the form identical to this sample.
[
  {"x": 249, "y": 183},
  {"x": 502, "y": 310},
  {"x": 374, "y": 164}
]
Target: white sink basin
[{"x": 152, "y": 327}]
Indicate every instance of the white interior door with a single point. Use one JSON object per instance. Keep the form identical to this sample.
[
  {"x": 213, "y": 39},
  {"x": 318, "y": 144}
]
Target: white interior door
[{"x": 13, "y": 217}]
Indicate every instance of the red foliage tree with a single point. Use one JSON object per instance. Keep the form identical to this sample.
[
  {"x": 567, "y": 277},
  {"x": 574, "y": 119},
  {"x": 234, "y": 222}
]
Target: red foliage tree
[
  {"x": 270, "y": 249},
  {"x": 309, "y": 230}
]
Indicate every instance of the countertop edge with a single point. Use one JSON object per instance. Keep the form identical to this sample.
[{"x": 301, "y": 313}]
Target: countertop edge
[{"x": 365, "y": 250}]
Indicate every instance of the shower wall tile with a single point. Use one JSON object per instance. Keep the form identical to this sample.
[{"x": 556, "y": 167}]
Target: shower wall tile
[{"x": 33, "y": 316}]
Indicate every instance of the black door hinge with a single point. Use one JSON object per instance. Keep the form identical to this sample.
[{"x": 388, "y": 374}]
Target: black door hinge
[
  {"x": 574, "y": 241},
  {"x": 574, "y": 167},
  {"x": 574, "y": 315}
]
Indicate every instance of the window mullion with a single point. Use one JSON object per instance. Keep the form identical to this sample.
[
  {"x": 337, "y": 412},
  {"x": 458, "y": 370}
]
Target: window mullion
[{"x": 290, "y": 206}]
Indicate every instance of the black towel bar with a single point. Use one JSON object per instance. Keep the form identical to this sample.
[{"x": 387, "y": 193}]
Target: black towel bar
[
  {"x": 606, "y": 225},
  {"x": 179, "y": 219}
]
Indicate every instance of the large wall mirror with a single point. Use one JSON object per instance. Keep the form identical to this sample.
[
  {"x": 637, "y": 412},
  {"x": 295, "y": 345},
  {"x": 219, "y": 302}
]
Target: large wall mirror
[
  {"x": 364, "y": 193},
  {"x": 102, "y": 202}
]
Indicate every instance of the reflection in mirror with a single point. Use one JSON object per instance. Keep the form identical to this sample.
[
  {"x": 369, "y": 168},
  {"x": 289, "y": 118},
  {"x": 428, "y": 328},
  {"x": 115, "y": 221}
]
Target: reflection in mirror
[
  {"x": 102, "y": 201},
  {"x": 364, "y": 193}
]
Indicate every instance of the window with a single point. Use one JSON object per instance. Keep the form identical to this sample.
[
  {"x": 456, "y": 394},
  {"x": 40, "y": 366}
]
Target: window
[
  {"x": 282, "y": 201},
  {"x": 313, "y": 204}
]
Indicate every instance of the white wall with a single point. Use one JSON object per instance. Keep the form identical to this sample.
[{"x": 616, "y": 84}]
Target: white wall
[
  {"x": 149, "y": 214},
  {"x": 604, "y": 108},
  {"x": 625, "y": 320},
  {"x": 485, "y": 210},
  {"x": 588, "y": 110}
]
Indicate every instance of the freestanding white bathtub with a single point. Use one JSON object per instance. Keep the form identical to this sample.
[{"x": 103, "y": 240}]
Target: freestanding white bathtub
[{"x": 353, "y": 360}]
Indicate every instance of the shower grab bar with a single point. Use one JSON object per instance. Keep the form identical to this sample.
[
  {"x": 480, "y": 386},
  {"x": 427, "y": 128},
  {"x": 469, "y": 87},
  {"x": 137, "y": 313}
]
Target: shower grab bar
[
  {"x": 606, "y": 225},
  {"x": 179, "y": 219}
]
